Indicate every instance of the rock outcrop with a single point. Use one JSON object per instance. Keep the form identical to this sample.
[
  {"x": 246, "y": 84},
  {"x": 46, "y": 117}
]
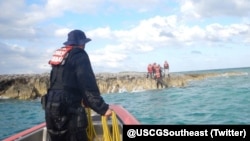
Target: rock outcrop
[
  {"x": 25, "y": 86},
  {"x": 31, "y": 86}
]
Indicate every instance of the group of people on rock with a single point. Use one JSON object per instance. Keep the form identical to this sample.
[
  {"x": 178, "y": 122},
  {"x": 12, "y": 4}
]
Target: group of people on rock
[{"x": 157, "y": 72}]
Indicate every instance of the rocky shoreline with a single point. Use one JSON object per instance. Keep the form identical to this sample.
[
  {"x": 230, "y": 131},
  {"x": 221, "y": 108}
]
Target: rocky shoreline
[{"x": 32, "y": 86}]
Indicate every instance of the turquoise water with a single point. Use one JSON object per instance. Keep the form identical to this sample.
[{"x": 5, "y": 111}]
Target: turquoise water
[{"x": 219, "y": 100}]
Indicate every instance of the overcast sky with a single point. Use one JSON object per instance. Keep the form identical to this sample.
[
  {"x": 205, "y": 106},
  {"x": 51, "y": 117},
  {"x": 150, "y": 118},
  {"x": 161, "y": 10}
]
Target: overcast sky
[{"x": 127, "y": 35}]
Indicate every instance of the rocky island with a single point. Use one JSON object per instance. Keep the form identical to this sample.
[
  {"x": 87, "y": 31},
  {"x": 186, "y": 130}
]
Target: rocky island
[{"x": 32, "y": 86}]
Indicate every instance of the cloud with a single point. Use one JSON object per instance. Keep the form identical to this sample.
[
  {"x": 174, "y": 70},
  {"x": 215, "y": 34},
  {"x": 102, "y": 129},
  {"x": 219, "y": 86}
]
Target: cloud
[
  {"x": 196, "y": 52},
  {"x": 214, "y": 8},
  {"x": 18, "y": 59},
  {"x": 62, "y": 32},
  {"x": 30, "y": 32},
  {"x": 228, "y": 33},
  {"x": 104, "y": 33}
]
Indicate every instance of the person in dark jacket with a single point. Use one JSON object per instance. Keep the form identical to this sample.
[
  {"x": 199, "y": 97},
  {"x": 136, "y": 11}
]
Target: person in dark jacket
[{"x": 72, "y": 88}]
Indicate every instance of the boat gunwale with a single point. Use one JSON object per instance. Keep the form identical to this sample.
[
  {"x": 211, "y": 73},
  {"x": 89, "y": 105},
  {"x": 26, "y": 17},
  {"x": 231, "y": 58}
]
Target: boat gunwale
[{"x": 123, "y": 115}]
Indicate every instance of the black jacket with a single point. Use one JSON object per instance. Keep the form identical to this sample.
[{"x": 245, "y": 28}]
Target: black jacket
[{"x": 78, "y": 80}]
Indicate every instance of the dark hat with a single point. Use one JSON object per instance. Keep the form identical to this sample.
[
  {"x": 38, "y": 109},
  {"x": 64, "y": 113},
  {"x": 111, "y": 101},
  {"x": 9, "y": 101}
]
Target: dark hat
[{"x": 76, "y": 37}]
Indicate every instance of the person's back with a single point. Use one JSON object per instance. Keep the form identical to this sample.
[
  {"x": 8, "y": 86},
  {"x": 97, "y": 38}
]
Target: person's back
[
  {"x": 158, "y": 77},
  {"x": 72, "y": 82},
  {"x": 166, "y": 69},
  {"x": 153, "y": 67},
  {"x": 157, "y": 71},
  {"x": 166, "y": 65},
  {"x": 150, "y": 71}
]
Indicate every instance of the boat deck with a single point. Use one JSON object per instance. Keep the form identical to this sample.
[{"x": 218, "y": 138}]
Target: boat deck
[{"x": 39, "y": 132}]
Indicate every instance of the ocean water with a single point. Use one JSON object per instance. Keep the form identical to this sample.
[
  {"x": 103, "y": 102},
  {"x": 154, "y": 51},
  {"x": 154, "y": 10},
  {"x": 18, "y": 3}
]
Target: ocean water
[{"x": 218, "y": 100}]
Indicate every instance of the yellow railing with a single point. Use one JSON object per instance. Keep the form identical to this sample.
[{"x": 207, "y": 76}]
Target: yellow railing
[{"x": 107, "y": 134}]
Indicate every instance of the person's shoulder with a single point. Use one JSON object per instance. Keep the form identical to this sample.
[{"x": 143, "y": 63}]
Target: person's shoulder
[
  {"x": 77, "y": 49},
  {"x": 77, "y": 53}
]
